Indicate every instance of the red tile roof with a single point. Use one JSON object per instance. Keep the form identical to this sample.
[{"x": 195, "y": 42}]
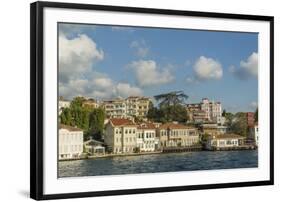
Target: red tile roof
[
  {"x": 146, "y": 126},
  {"x": 121, "y": 122}
]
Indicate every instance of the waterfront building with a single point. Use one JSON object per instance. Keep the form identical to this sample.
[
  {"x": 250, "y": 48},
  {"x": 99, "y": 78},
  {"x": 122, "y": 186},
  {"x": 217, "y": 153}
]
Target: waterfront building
[
  {"x": 177, "y": 135},
  {"x": 63, "y": 104},
  {"x": 254, "y": 134},
  {"x": 146, "y": 137},
  {"x": 224, "y": 141},
  {"x": 94, "y": 147},
  {"x": 70, "y": 142},
  {"x": 121, "y": 135},
  {"x": 205, "y": 111},
  {"x": 213, "y": 129}
]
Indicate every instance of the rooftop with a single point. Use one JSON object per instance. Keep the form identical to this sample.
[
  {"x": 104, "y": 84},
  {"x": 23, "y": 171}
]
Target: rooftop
[
  {"x": 174, "y": 126},
  {"x": 146, "y": 126},
  {"x": 69, "y": 128},
  {"x": 227, "y": 136},
  {"x": 121, "y": 122}
]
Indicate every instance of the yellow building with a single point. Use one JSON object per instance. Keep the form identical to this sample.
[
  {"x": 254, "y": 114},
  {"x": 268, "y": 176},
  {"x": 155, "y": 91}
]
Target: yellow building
[
  {"x": 121, "y": 135},
  {"x": 177, "y": 135}
]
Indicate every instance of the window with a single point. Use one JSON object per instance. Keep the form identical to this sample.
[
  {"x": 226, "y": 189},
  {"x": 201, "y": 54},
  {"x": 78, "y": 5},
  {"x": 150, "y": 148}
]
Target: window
[{"x": 126, "y": 131}]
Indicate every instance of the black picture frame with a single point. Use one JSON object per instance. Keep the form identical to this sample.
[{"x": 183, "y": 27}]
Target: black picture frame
[{"x": 36, "y": 98}]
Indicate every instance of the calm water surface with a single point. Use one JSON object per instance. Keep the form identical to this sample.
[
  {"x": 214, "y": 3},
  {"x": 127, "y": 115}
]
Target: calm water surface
[{"x": 171, "y": 162}]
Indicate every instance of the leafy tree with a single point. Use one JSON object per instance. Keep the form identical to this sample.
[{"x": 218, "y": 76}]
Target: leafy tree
[
  {"x": 171, "y": 99},
  {"x": 224, "y": 113},
  {"x": 229, "y": 118},
  {"x": 86, "y": 118},
  {"x": 204, "y": 137},
  {"x": 168, "y": 113},
  {"x": 65, "y": 117},
  {"x": 96, "y": 123},
  {"x": 171, "y": 107},
  {"x": 239, "y": 124}
]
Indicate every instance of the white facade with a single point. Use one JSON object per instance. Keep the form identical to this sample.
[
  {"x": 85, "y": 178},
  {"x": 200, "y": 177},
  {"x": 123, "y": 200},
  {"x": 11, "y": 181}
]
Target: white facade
[
  {"x": 177, "y": 135},
  {"x": 63, "y": 104},
  {"x": 70, "y": 142},
  {"x": 215, "y": 142},
  {"x": 213, "y": 110},
  {"x": 146, "y": 138},
  {"x": 120, "y": 136}
]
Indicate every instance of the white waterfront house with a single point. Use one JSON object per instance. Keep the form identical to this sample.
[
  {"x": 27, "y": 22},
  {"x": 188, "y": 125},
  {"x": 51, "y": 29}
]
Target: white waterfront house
[
  {"x": 120, "y": 135},
  {"x": 177, "y": 135},
  {"x": 94, "y": 147},
  {"x": 70, "y": 142},
  {"x": 146, "y": 137},
  {"x": 223, "y": 141}
]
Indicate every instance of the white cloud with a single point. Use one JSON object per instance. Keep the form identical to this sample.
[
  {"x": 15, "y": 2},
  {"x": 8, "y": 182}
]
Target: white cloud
[
  {"x": 140, "y": 47},
  {"x": 207, "y": 69},
  {"x": 125, "y": 89},
  {"x": 254, "y": 105},
  {"x": 248, "y": 68},
  {"x": 147, "y": 73},
  {"x": 76, "y": 56},
  {"x": 72, "y": 29},
  {"x": 102, "y": 82},
  {"x": 74, "y": 87},
  {"x": 77, "y": 76},
  {"x": 98, "y": 86}
]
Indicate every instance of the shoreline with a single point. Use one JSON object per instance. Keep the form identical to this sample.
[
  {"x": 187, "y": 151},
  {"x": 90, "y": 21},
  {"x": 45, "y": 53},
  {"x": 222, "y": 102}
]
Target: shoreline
[{"x": 165, "y": 151}]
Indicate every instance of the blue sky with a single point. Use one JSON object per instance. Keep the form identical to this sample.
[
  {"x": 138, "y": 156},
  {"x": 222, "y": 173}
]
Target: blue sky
[{"x": 105, "y": 62}]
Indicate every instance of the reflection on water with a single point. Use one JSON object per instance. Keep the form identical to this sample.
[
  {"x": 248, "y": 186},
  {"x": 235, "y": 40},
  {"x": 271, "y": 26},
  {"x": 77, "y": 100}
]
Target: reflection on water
[{"x": 204, "y": 160}]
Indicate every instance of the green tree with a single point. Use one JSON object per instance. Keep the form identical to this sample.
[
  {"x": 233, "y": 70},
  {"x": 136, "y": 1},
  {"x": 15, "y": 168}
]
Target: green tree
[
  {"x": 229, "y": 118},
  {"x": 171, "y": 107},
  {"x": 239, "y": 124},
  {"x": 168, "y": 113},
  {"x": 96, "y": 123},
  {"x": 224, "y": 112},
  {"x": 171, "y": 99},
  {"x": 65, "y": 117}
]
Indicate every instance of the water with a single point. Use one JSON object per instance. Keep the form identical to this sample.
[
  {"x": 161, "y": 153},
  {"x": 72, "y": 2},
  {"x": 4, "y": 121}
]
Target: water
[{"x": 171, "y": 162}]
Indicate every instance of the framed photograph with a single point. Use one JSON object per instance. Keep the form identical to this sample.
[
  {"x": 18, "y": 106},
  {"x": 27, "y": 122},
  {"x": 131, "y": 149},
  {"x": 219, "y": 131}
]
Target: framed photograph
[{"x": 131, "y": 100}]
